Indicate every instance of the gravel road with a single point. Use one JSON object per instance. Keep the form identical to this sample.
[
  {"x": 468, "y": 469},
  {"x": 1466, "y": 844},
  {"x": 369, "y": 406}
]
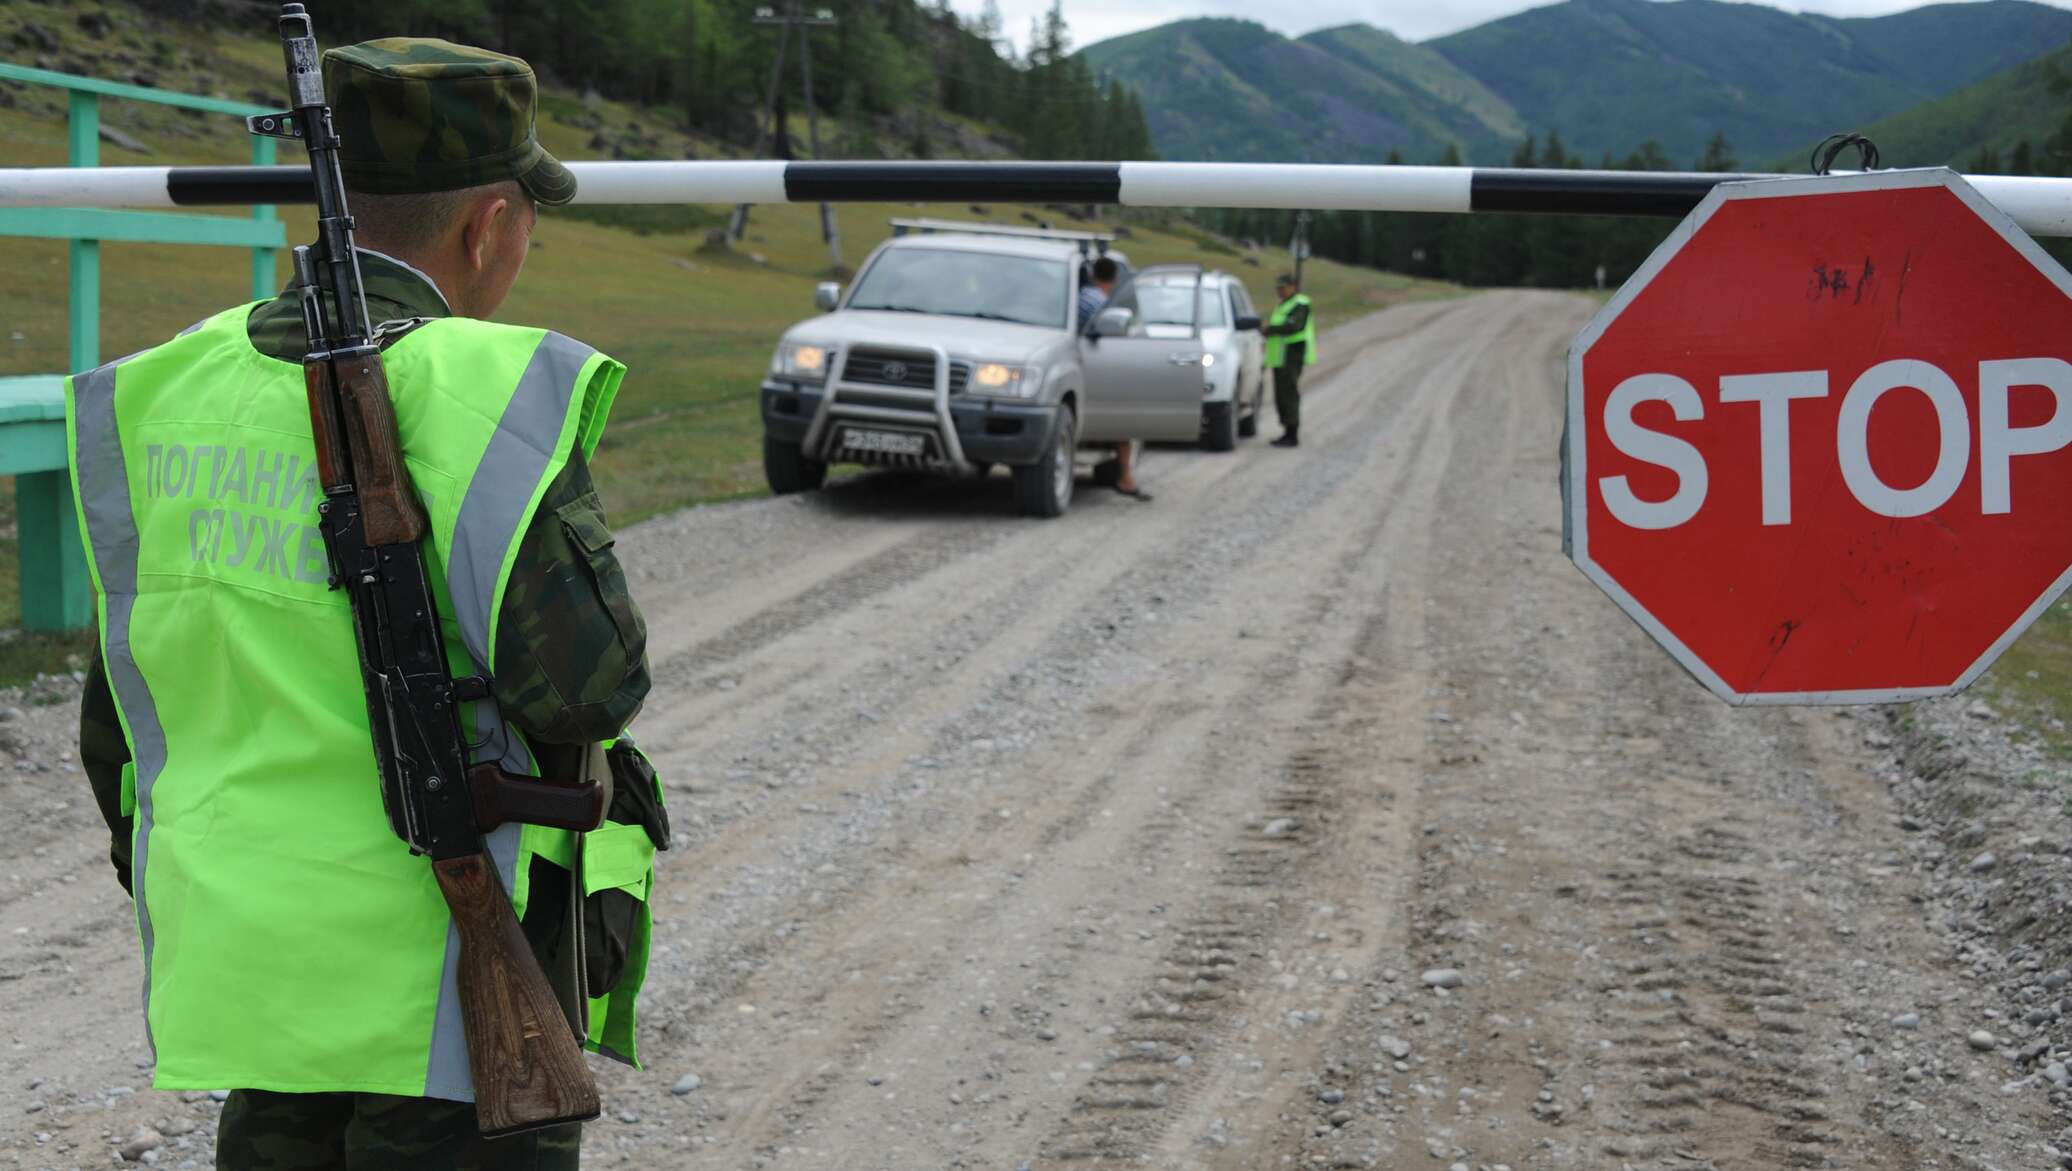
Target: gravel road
[{"x": 1316, "y": 814}]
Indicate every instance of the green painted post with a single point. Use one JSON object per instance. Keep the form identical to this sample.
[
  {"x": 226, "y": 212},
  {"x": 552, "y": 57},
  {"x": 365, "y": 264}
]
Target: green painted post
[
  {"x": 56, "y": 594},
  {"x": 84, "y": 134},
  {"x": 264, "y": 283}
]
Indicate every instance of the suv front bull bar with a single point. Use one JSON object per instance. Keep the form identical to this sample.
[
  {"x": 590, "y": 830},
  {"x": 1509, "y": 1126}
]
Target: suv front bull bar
[{"x": 936, "y": 417}]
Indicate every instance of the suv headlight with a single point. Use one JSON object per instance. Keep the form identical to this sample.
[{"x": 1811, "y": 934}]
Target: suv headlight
[
  {"x": 803, "y": 361},
  {"x": 1005, "y": 380}
]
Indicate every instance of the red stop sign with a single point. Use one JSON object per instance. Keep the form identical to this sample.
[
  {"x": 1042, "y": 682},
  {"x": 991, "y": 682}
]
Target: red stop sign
[{"x": 1820, "y": 446}]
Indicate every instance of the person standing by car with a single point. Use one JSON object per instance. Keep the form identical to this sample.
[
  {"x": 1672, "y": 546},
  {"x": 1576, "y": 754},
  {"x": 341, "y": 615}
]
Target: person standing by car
[
  {"x": 1093, "y": 296},
  {"x": 1291, "y": 341}
]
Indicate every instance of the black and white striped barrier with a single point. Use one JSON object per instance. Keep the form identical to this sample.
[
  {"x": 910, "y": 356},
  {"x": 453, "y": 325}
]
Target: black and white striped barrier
[{"x": 2042, "y": 206}]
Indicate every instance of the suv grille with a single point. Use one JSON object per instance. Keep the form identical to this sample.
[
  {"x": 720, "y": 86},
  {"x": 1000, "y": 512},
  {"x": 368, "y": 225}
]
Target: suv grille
[{"x": 894, "y": 368}]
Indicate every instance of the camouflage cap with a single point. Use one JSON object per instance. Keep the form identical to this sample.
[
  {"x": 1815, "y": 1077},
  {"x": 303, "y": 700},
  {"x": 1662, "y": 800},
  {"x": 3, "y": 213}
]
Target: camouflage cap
[{"x": 415, "y": 114}]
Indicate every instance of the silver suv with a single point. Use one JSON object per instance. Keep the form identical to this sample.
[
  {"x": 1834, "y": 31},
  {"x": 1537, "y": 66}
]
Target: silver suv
[{"x": 960, "y": 346}]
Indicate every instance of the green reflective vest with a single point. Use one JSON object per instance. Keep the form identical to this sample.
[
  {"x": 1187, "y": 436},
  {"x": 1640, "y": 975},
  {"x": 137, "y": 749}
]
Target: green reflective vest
[
  {"x": 290, "y": 940},
  {"x": 1277, "y": 347}
]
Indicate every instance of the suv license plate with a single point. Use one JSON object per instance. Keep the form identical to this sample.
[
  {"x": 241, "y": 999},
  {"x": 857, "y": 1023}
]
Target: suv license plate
[{"x": 889, "y": 442}]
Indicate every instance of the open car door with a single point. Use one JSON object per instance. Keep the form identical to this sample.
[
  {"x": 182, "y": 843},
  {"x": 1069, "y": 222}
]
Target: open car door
[{"x": 1143, "y": 360}]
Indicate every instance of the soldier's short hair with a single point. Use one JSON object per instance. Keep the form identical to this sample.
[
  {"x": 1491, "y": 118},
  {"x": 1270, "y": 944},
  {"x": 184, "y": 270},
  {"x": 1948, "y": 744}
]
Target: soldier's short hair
[
  {"x": 1105, "y": 269},
  {"x": 415, "y": 221}
]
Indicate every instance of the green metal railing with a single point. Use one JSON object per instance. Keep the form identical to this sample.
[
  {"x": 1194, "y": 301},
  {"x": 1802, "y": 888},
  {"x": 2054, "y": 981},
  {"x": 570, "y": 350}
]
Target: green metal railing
[{"x": 54, "y": 588}]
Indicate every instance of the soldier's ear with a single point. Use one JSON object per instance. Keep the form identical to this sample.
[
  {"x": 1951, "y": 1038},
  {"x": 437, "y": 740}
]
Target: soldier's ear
[{"x": 479, "y": 229}]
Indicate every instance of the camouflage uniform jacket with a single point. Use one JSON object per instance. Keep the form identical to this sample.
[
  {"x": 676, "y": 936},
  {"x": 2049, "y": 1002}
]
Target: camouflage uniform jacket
[{"x": 571, "y": 647}]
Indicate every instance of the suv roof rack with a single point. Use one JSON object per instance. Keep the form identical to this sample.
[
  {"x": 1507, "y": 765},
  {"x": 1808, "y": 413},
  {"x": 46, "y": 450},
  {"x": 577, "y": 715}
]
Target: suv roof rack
[{"x": 1093, "y": 243}]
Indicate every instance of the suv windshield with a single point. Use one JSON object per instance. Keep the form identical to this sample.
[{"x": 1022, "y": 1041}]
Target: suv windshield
[
  {"x": 1167, "y": 305},
  {"x": 957, "y": 283}
]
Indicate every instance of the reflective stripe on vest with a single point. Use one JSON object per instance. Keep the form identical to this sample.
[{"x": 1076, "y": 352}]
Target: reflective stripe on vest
[
  {"x": 1277, "y": 347},
  {"x": 290, "y": 942}
]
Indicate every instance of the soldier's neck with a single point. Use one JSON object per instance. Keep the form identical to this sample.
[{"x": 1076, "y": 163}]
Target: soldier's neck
[{"x": 451, "y": 286}]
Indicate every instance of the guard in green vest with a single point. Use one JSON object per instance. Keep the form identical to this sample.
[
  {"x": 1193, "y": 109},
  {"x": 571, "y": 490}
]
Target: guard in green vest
[
  {"x": 1291, "y": 340},
  {"x": 293, "y": 949}
]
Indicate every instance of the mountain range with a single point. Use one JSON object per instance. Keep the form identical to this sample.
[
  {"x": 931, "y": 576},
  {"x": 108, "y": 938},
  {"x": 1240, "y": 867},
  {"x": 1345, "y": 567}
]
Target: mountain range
[{"x": 1606, "y": 75}]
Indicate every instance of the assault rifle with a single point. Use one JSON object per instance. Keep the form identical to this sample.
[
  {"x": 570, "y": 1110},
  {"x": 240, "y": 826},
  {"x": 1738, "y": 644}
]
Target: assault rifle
[{"x": 527, "y": 1063}]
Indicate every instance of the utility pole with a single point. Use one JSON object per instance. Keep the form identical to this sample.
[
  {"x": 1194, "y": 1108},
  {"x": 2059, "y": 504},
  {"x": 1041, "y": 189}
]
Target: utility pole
[
  {"x": 1300, "y": 245},
  {"x": 794, "y": 16}
]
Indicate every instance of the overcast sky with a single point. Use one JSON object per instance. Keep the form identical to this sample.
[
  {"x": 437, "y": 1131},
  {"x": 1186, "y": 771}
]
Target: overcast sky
[{"x": 1094, "y": 20}]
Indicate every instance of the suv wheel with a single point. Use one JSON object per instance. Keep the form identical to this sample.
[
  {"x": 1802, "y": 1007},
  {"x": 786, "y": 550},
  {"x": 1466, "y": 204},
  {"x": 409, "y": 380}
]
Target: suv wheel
[
  {"x": 1248, "y": 425},
  {"x": 788, "y": 470},
  {"x": 1044, "y": 488},
  {"x": 1219, "y": 426},
  {"x": 1248, "y": 422}
]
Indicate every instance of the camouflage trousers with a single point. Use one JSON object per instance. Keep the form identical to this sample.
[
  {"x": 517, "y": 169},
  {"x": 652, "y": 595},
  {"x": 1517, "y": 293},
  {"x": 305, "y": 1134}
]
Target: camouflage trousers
[{"x": 266, "y": 1131}]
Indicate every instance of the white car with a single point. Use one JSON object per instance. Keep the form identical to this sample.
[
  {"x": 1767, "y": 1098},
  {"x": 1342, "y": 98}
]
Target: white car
[{"x": 1233, "y": 349}]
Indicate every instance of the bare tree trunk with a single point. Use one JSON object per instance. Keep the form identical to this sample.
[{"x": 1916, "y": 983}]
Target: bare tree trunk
[
  {"x": 829, "y": 230},
  {"x": 740, "y": 224}
]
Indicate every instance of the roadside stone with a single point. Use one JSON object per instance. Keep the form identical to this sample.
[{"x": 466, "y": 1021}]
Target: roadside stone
[
  {"x": 1395, "y": 1047},
  {"x": 1984, "y": 862},
  {"x": 125, "y": 140},
  {"x": 686, "y": 1084},
  {"x": 1331, "y": 1097},
  {"x": 145, "y": 1139},
  {"x": 1909, "y": 1021},
  {"x": 1442, "y": 978},
  {"x": 37, "y": 37},
  {"x": 1983, "y": 1041}
]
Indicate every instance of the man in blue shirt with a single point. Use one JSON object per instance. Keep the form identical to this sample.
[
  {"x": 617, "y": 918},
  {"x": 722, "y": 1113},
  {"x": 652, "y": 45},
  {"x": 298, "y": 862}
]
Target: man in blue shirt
[
  {"x": 1092, "y": 296},
  {"x": 1094, "y": 293}
]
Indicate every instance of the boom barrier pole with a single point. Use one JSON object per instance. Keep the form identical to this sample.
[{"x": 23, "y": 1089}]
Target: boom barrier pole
[{"x": 2042, "y": 206}]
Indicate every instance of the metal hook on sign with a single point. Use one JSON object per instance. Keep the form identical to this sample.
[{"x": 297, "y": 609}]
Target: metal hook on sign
[{"x": 1834, "y": 144}]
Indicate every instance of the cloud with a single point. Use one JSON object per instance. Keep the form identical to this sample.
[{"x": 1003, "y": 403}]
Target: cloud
[{"x": 1096, "y": 20}]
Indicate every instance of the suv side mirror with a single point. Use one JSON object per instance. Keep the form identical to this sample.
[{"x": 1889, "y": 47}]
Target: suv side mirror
[
  {"x": 827, "y": 295},
  {"x": 1113, "y": 322},
  {"x": 1248, "y": 323}
]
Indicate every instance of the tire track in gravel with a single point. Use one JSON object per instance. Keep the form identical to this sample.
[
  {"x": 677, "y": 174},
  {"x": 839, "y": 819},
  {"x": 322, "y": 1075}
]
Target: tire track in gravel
[{"x": 1172, "y": 1060}]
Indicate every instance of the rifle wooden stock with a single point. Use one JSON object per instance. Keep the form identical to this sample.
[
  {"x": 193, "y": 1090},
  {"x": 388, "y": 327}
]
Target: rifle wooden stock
[
  {"x": 388, "y": 507},
  {"x": 501, "y": 797},
  {"x": 529, "y": 1069},
  {"x": 324, "y": 427}
]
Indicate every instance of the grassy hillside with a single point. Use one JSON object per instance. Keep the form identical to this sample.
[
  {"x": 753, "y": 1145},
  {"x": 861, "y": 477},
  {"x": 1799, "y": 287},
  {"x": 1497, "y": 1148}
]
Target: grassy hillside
[
  {"x": 1996, "y": 115},
  {"x": 1942, "y": 47},
  {"x": 1233, "y": 90},
  {"x": 1610, "y": 73},
  {"x": 1439, "y": 83}
]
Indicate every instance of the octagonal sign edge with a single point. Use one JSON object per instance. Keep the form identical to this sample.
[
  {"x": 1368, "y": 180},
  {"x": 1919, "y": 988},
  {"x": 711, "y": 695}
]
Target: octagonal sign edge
[{"x": 1577, "y": 487}]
